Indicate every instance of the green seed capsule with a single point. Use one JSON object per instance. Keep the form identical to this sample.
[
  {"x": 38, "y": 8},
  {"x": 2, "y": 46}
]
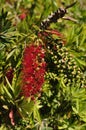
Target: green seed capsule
[
  {"x": 55, "y": 56},
  {"x": 55, "y": 62},
  {"x": 61, "y": 71},
  {"x": 64, "y": 66},
  {"x": 59, "y": 61},
  {"x": 48, "y": 47},
  {"x": 51, "y": 52},
  {"x": 57, "y": 46}
]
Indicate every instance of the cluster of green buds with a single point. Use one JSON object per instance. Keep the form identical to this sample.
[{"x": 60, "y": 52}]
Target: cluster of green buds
[{"x": 62, "y": 63}]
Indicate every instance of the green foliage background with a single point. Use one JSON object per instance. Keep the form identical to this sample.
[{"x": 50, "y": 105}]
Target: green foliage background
[{"x": 59, "y": 107}]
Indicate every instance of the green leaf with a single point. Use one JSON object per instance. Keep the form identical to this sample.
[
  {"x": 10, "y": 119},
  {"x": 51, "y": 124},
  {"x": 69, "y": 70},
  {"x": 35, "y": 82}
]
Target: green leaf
[
  {"x": 46, "y": 128},
  {"x": 6, "y": 92},
  {"x": 16, "y": 85},
  {"x": 9, "y": 85},
  {"x": 81, "y": 62},
  {"x": 10, "y": 54},
  {"x": 3, "y": 127},
  {"x": 36, "y": 111},
  {"x": 26, "y": 107},
  {"x": 75, "y": 110}
]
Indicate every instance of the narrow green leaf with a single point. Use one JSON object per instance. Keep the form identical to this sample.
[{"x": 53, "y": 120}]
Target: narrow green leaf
[
  {"x": 37, "y": 115},
  {"x": 26, "y": 107},
  {"x": 36, "y": 112},
  {"x": 75, "y": 110},
  {"x": 81, "y": 62},
  {"x": 10, "y": 54},
  {"x": 9, "y": 85},
  {"x": 7, "y": 93}
]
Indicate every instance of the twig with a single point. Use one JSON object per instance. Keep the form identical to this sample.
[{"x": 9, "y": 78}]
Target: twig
[{"x": 70, "y": 19}]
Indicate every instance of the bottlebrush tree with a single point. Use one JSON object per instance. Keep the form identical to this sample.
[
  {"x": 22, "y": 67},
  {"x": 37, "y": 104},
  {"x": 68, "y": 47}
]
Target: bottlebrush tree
[{"x": 42, "y": 73}]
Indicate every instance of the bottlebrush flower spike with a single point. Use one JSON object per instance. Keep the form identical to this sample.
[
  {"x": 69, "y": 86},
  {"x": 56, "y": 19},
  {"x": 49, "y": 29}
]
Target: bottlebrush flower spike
[{"x": 33, "y": 70}]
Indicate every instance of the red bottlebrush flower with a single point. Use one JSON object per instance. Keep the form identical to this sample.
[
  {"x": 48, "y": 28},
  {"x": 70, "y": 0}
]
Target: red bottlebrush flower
[
  {"x": 9, "y": 75},
  {"x": 33, "y": 70},
  {"x": 22, "y": 16}
]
